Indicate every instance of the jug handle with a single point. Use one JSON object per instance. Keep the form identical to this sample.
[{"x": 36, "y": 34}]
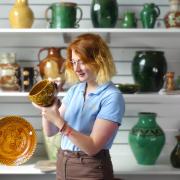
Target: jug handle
[
  {"x": 42, "y": 49},
  {"x": 46, "y": 14},
  {"x": 63, "y": 65},
  {"x": 157, "y": 10},
  {"x": 80, "y": 17}
]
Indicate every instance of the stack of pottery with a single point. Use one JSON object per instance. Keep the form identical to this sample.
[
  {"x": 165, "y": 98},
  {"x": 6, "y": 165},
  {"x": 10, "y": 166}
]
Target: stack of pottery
[{"x": 9, "y": 72}]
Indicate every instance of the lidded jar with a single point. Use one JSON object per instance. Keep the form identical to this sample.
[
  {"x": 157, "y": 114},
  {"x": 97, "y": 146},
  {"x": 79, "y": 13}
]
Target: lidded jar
[
  {"x": 9, "y": 72},
  {"x": 172, "y": 18}
]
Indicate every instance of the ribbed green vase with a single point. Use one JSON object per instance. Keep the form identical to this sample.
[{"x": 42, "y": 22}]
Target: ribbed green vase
[{"x": 146, "y": 139}]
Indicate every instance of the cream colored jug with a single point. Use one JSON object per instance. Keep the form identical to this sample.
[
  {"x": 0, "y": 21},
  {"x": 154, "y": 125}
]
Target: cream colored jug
[{"x": 21, "y": 16}]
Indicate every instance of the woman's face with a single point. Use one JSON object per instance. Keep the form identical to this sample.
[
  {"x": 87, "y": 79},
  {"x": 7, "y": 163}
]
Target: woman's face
[{"x": 83, "y": 72}]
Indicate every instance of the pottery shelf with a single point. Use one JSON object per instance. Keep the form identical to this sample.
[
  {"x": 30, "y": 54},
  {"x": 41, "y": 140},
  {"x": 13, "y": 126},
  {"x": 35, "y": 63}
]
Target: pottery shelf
[
  {"x": 125, "y": 38},
  {"x": 129, "y": 98}
]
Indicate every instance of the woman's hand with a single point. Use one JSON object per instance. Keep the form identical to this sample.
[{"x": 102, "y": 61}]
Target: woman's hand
[{"x": 52, "y": 113}]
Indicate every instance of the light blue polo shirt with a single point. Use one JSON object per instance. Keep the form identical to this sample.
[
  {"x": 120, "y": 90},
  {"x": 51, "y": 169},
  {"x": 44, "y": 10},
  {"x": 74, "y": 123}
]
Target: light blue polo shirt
[{"x": 106, "y": 102}]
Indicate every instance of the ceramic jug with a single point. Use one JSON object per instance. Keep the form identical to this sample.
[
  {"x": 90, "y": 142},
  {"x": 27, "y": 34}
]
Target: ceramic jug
[
  {"x": 52, "y": 66},
  {"x": 149, "y": 15},
  {"x": 21, "y": 16},
  {"x": 104, "y": 13}
]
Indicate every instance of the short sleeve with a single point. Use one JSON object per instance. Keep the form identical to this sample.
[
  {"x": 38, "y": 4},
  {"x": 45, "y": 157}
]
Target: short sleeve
[{"x": 112, "y": 108}]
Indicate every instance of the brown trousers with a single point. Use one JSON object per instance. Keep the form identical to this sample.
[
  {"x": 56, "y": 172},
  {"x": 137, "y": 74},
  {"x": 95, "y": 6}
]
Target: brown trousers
[{"x": 80, "y": 166}]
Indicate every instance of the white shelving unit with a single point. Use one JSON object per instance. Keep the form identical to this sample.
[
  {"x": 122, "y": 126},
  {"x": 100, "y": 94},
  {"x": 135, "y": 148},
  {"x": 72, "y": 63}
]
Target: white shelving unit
[{"x": 124, "y": 38}]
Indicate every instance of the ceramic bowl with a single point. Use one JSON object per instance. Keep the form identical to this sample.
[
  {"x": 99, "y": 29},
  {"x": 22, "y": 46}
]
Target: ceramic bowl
[
  {"x": 43, "y": 93},
  {"x": 128, "y": 88}
]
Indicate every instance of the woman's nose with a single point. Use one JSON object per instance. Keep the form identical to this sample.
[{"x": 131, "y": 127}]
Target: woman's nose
[{"x": 77, "y": 67}]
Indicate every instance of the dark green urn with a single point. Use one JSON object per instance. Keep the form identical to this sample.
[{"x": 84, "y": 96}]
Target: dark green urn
[
  {"x": 146, "y": 139},
  {"x": 104, "y": 13},
  {"x": 175, "y": 154},
  {"x": 149, "y": 69}
]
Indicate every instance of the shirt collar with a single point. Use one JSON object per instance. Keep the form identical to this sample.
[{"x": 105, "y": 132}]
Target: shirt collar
[{"x": 99, "y": 89}]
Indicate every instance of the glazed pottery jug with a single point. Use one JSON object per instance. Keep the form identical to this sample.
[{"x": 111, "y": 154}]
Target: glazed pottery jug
[
  {"x": 52, "y": 66},
  {"x": 146, "y": 139},
  {"x": 149, "y": 14},
  {"x": 149, "y": 69},
  {"x": 172, "y": 18},
  {"x": 104, "y": 13},
  {"x": 129, "y": 20},
  {"x": 175, "y": 154},
  {"x": 64, "y": 15},
  {"x": 21, "y": 16}
]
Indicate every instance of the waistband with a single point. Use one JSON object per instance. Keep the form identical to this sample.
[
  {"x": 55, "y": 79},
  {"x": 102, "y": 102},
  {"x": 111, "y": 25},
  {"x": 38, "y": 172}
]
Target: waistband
[{"x": 78, "y": 154}]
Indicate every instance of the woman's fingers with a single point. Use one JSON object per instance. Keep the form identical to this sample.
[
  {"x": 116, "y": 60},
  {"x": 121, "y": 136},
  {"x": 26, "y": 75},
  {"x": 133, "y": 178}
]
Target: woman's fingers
[{"x": 37, "y": 106}]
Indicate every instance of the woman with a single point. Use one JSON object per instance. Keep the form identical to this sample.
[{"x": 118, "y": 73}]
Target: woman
[{"x": 90, "y": 113}]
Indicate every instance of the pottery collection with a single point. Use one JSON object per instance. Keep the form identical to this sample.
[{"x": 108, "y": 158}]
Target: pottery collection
[{"x": 149, "y": 67}]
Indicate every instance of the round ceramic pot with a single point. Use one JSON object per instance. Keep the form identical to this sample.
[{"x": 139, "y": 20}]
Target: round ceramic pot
[
  {"x": 104, "y": 13},
  {"x": 149, "y": 69}
]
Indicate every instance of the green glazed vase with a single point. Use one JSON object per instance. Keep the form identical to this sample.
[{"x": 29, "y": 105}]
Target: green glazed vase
[
  {"x": 148, "y": 70},
  {"x": 104, "y": 13},
  {"x": 52, "y": 144},
  {"x": 175, "y": 154},
  {"x": 146, "y": 139}
]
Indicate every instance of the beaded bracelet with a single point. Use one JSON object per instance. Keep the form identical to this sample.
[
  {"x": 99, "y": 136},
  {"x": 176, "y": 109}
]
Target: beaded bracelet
[{"x": 68, "y": 132}]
